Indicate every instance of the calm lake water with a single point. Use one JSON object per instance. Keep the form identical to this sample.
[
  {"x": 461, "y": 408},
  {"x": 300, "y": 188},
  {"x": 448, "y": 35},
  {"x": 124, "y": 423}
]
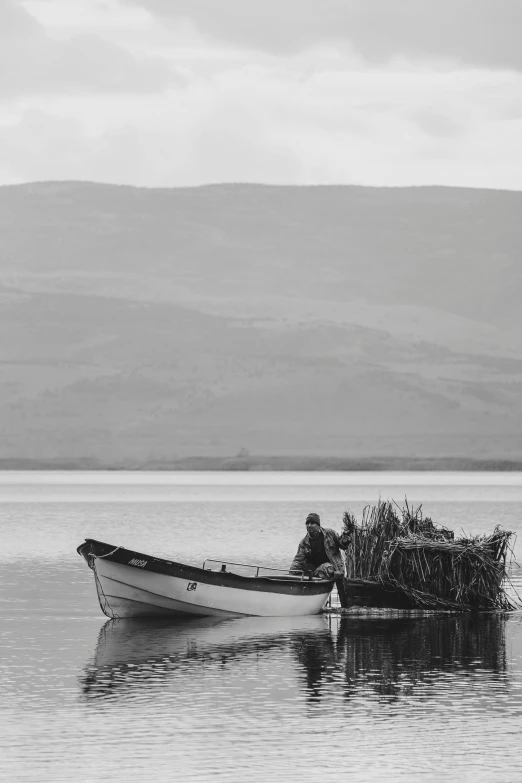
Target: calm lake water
[{"x": 379, "y": 696}]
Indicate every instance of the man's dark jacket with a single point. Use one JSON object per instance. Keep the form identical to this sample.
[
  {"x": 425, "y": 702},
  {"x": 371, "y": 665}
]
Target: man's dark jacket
[{"x": 333, "y": 543}]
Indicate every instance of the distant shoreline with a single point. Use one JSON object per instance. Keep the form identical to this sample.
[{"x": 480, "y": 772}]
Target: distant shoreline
[{"x": 262, "y": 463}]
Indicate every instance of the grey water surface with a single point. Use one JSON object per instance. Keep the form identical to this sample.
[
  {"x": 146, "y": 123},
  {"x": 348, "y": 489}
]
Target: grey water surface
[{"x": 371, "y": 696}]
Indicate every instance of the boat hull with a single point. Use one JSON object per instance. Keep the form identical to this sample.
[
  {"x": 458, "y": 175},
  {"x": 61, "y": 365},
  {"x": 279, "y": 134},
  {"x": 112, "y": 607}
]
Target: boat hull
[
  {"x": 373, "y": 595},
  {"x": 132, "y": 584}
]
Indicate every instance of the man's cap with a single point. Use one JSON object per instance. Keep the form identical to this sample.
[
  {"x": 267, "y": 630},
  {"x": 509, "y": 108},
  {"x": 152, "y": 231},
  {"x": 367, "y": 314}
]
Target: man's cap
[{"x": 314, "y": 518}]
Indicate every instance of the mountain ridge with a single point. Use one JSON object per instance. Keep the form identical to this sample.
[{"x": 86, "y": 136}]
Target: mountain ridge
[{"x": 342, "y": 321}]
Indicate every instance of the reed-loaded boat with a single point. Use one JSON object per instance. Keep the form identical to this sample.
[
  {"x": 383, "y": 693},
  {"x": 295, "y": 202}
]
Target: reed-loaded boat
[
  {"x": 133, "y": 584},
  {"x": 398, "y": 558}
]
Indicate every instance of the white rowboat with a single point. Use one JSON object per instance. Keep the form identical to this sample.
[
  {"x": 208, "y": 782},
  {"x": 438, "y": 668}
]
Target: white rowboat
[{"x": 132, "y": 584}]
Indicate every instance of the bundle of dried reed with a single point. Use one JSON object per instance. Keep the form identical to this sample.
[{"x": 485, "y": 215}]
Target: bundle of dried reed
[{"x": 409, "y": 553}]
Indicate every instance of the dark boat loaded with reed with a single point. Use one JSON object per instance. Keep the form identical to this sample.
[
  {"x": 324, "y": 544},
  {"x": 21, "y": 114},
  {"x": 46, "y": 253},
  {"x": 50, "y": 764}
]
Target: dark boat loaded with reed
[{"x": 399, "y": 559}]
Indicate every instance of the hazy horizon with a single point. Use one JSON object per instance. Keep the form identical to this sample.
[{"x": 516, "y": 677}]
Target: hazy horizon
[{"x": 260, "y": 184}]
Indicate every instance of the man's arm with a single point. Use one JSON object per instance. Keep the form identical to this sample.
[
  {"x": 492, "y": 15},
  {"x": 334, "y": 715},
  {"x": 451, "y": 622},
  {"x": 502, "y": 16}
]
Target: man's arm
[
  {"x": 349, "y": 525},
  {"x": 299, "y": 563},
  {"x": 344, "y": 540}
]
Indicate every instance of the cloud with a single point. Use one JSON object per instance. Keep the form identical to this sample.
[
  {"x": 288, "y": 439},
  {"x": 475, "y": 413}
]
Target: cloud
[
  {"x": 475, "y": 32},
  {"x": 235, "y": 143},
  {"x": 34, "y": 63},
  {"x": 263, "y": 124},
  {"x": 438, "y": 124},
  {"x": 100, "y": 98},
  {"x": 44, "y": 146},
  {"x": 222, "y": 143}
]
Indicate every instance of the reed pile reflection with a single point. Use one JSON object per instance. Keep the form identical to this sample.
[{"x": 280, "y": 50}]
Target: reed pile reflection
[{"x": 391, "y": 655}]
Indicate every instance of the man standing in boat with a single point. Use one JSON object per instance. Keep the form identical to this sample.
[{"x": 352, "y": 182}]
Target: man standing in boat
[{"x": 319, "y": 553}]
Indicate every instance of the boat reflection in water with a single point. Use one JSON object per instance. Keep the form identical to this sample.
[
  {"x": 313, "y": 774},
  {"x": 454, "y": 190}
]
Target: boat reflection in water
[
  {"x": 133, "y": 652},
  {"x": 316, "y": 657}
]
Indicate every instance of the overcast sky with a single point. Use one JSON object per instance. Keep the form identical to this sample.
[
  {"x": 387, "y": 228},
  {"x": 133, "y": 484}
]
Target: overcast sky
[{"x": 184, "y": 92}]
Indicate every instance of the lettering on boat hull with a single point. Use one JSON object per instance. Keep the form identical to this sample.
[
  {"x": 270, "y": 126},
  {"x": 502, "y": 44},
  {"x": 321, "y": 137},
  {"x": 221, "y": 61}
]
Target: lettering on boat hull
[{"x": 137, "y": 563}]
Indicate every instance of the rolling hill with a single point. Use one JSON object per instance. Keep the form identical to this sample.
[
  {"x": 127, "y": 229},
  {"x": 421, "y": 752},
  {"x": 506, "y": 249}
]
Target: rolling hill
[{"x": 143, "y": 326}]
